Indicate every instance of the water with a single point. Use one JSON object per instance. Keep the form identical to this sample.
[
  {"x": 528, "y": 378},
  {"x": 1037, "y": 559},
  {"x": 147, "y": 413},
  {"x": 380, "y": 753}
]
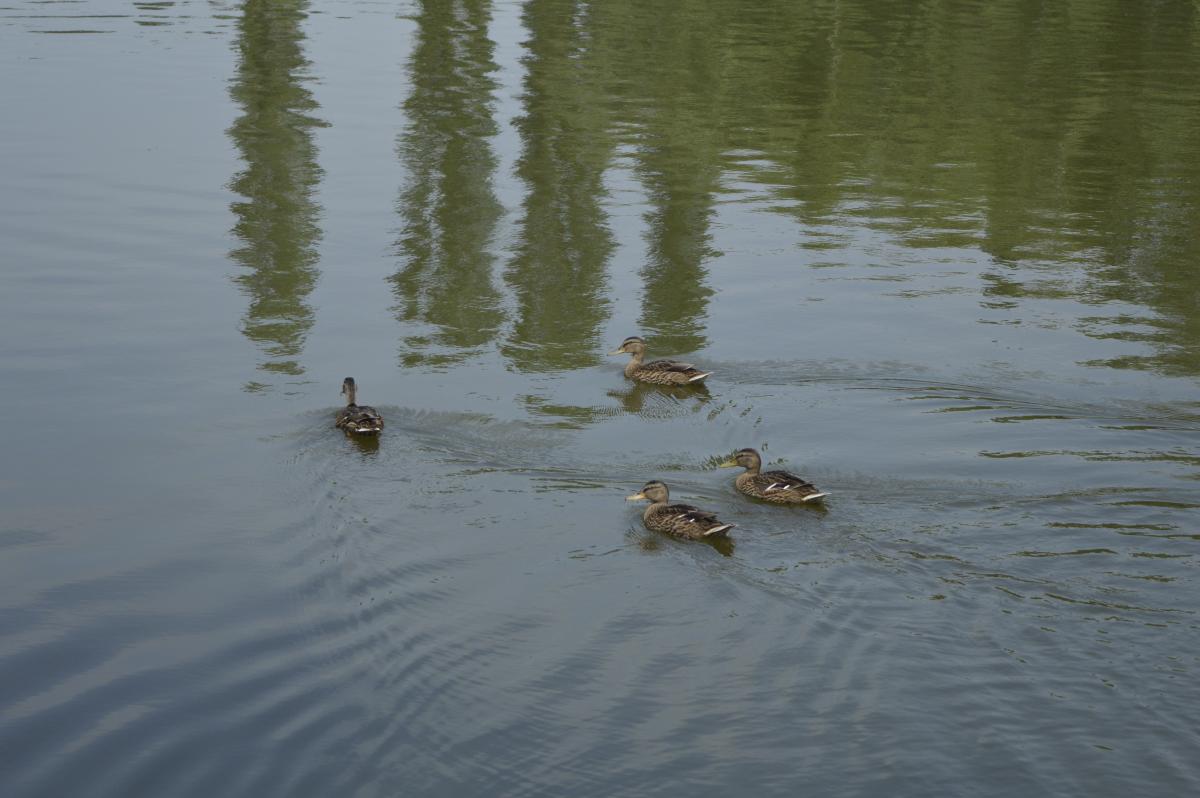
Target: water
[{"x": 940, "y": 256}]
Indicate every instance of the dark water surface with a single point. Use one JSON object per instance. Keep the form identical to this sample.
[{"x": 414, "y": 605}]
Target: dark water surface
[{"x": 944, "y": 258}]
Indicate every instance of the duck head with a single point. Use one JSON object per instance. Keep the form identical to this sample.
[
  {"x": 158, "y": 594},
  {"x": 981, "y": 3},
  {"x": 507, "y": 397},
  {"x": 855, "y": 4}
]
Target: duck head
[
  {"x": 653, "y": 491},
  {"x": 633, "y": 345},
  {"x": 746, "y": 458}
]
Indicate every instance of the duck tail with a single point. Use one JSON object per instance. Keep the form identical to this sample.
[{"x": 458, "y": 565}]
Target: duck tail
[
  {"x": 721, "y": 530},
  {"x": 815, "y": 496},
  {"x": 700, "y": 376}
]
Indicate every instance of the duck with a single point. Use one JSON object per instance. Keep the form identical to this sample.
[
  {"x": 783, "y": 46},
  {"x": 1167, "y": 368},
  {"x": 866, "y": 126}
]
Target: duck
[
  {"x": 357, "y": 418},
  {"x": 677, "y": 520},
  {"x": 777, "y": 487},
  {"x": 658, "y": 372}
]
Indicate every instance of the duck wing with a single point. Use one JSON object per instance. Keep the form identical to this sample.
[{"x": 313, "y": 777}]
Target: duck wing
[
  {"x": 669, "y": 365},
  {"x": 692, "y": 522},
  {"x": 360, "y": 418},
  {"x": 686, "y": 371},
  {"x": 368, "y": 412},
  {"x": 688, "y": 513},
  {"x": 785, "y": 481}
]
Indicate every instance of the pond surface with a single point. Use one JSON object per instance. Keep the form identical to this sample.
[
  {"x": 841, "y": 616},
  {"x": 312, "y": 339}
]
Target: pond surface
[{"x": 941, "y": 256}]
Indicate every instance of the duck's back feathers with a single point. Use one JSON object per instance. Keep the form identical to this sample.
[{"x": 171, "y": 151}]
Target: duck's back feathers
[
  {"x": 685, "y": 521},
  {"x": 780, "y": 487},
  {"x": 362, "y": 419},
  {"x": 666, "y": 372}
]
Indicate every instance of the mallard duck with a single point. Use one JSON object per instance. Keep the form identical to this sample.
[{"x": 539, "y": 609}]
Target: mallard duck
[
  {"x": 778, "y": 487},
  {"x": 659, "y": 372},
  {"x": 355, "y": 417},
  {"x": 679, "y": 520}
]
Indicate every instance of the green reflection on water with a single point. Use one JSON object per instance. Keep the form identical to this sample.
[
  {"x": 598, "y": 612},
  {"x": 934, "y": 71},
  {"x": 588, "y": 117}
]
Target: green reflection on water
[
  {"x": 449, "y": 209},
  {"x": 1057, "y": 140},
  {"x": 1052, "y": 148},
  {"x": 277, "y": 221},
  {"x": 558, "y": 272},
  {"x": 678, "y": 157}
]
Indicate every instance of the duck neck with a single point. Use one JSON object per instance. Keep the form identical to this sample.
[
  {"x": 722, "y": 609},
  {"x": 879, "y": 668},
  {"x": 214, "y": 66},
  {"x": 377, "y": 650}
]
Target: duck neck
[
  {"x": 350, "y": 397},
  {"x": 653, "y": 508},
  {"x": 754, "y": 468},
  {"x": 634, "y": 362}
]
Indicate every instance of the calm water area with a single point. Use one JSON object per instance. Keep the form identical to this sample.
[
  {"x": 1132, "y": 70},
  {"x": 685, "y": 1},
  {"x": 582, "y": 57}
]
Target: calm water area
[{"x": 943, "y": 257}]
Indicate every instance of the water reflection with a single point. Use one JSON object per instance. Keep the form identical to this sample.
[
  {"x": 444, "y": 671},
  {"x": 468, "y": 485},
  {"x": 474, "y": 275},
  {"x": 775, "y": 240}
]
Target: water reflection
[
  {"x": 1069, "y": 165},
  {"x": 675, "y": 298},
  {"x": 1100, "y": 172},
  {"x": 679, "y": 165},
  {"x": 366, "y": 445},
  {"x": 661, "y": 401},
  {"x": 153, "y": 13},
  {"x": 449, "y": 210},
  {"x": 1050, "y": 142},
  {"x": 277, "y": 220},
  {"x": 558, "y": 272},
  {"x": 650, "y": 542}
]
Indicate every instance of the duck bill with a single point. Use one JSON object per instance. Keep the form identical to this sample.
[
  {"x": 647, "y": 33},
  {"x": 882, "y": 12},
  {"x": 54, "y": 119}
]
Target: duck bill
[
  {"x": 635, "y": 497},
  {"x": 617, "y": 352},
  {"x": 728, "y": 464}
]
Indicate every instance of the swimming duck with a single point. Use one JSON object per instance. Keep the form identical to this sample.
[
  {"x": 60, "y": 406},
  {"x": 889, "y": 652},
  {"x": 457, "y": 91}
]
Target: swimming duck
[
  {"x": 659, "y": 372},
  {"x": 357, "y": 418},
  {"x": 778, "y": 487},
  {"x": 679, "y": 520}
]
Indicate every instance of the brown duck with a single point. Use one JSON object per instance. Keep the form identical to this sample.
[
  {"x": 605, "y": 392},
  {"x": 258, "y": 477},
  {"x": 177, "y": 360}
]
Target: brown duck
[
  {"x": 777, "y": 487},
  {"x": 658, "y": 372},
  {"x": 357, "y": 418},
  {"x": 678, "y": 520}
]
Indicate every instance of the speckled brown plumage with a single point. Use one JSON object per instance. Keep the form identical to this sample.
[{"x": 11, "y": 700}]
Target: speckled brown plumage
[
  {"x": 657, "y": 372},
  {"x": 356, "y": 418},
  {"x": 777, "y": 487},
  {"x": 678, "y": 520}
]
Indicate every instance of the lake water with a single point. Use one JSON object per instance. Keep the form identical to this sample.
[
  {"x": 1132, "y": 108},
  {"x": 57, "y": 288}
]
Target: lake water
[{"x": 943, "y": 257}]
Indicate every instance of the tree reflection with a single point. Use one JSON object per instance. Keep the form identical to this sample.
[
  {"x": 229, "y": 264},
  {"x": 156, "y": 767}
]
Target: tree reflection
[
  {"x": 1054, "y": 138},
  {"x": 277, "y": 220},
  {"x": 558, "y": 272},
  {"x": 675, "y": 297},
  {"x": 678, "y": 156},
  {"x": 449, "y": 210}
]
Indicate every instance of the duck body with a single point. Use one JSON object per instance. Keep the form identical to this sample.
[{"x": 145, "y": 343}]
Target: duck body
[
  {"x": 777, "y": 487},
  {"x": 664, "y": 372},
  {"x": 678, "y": 520},
  {"x": 656, "y": 372},
  {"x": 360, "y": 419},
  {"x": 356, "y": 418}
]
